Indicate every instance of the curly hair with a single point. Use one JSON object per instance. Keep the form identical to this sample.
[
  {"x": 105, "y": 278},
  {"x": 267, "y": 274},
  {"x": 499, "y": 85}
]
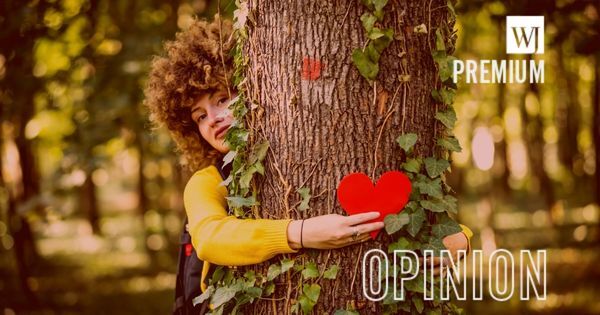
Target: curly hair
[{"x": 192, "y": 67}]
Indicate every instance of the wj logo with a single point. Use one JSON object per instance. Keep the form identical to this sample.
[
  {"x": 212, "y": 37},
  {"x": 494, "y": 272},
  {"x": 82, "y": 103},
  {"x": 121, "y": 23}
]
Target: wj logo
[{"x": 525, "y": 34}]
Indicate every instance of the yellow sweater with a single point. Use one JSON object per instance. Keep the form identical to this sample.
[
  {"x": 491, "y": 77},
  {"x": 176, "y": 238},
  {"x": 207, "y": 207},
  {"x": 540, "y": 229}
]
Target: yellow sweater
[{"x": 226, "y": 240}]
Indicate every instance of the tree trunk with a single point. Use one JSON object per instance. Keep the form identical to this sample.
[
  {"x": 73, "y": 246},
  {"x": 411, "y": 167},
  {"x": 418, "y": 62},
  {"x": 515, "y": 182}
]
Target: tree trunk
[
  {"x": 323, "y": 120},
  {"x": 89, "y": 201},
  {"x": 596, "y": 124}
]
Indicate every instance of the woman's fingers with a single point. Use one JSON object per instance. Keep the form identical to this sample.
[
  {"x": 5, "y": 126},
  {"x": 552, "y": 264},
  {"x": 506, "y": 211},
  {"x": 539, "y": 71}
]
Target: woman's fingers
[
  {"x": 361, "y": 217},
  {"x": 369, "y": 227}
]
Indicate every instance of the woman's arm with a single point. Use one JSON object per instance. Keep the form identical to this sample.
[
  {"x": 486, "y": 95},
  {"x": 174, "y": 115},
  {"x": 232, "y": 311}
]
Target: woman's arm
[{"x": 226, "y": 240}]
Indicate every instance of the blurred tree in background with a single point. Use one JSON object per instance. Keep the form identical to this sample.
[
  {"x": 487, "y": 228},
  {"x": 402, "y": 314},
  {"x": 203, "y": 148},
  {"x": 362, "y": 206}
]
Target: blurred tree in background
[{"x": 90, "y": 195}]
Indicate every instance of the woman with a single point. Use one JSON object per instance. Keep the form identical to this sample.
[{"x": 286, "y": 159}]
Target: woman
[{"x": 187, "y": 93}]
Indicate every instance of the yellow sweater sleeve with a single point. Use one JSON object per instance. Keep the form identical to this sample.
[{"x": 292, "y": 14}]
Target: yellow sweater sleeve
[
  {"x": 222, "y": 239},
  {"x": 469, "y": 234}
]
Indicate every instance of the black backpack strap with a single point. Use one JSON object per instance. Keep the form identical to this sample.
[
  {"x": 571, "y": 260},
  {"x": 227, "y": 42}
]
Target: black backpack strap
[{"x": 189, "y": 271}]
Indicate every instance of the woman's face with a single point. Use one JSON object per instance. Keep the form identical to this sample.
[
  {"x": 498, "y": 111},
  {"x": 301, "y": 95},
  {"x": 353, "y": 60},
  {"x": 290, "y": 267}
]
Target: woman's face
[{"x": 211, "y": 114}]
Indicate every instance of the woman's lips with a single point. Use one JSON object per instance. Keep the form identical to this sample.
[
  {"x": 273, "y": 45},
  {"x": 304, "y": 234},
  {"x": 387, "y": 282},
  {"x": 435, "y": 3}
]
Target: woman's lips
[{"x": 221, "y": 132}]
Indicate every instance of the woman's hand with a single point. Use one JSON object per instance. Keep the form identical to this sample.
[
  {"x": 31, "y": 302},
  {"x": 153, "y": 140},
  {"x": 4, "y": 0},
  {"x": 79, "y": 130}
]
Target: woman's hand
[{"x": 332, "y": 230}]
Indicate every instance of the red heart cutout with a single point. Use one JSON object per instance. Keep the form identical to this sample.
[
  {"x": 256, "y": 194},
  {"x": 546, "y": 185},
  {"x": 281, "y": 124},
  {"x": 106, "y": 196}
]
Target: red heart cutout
[{"x": 357, "y": 194}]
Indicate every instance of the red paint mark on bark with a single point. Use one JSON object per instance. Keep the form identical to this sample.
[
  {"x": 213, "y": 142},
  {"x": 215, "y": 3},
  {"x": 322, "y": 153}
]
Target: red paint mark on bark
[{"x": 311, "y": 68}]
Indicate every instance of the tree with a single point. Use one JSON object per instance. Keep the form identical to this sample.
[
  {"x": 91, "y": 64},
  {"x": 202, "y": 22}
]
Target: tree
[{"x": 323, "y": 118}]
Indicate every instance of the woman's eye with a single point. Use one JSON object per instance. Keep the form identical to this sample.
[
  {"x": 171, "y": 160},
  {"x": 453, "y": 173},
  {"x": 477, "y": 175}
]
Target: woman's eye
[{"x": 223, "y": 101}]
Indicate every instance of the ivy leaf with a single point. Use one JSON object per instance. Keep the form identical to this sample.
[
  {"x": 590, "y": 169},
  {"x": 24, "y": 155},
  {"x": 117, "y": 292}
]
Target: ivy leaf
[
  {"x": 401, "y": 243},
  {"x": 309, "y": 297},
  {"x": 439, "y": 41},
  {"x": 451, "y": 204},
  {"x": 331, "y": 272},
  {"x": 259, "y": 151},
  {"x": 305, "y": 194},
  {"x": 416, "y": 284},
  {"x": 310, "y": 271},
  {"x": 416, "y": 221},
  {"x": 229, "y": 157},
  {"x": 286, "y": 264},
  {"x": 372, "y": 53},
  {"x": 273, "y": 271},
  {"x": 382, "y": 42},
  {"x": 435, "y": 167},
  {"x": 204, "y": 296},
  {"x": 432, "y": 206},
  {"x": 223, "y": 295},
  {"x": 447, "y": 117},
  {"x": 368, "y": 20},
  {"x": 395, "y": 222},
  {"x": 450, "y": 144},
  {"x": 445, "y": 226},
  {"x": 379, "y": 4},
  {"x": 312, "y": 291},
  {"x": 418, "y": 303},
  {"x": 254, "y": 292},
  {"x": 428, "y": 187},
  {"x": 269, "y": 288},
  {"x": 435, "y": 245},
  {"x": 412, "y": 165},
  {"x": 407, "y": 141},
  {"x": 239, "y": 202},
  {"x": 365, "y": 66},
  {"x": 227, "y": 181},
  {"x": 240, "y": 15}
]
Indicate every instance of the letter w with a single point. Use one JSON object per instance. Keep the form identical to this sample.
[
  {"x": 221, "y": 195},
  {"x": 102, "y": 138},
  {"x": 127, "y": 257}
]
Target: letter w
[{"x": 524, "y": 38}]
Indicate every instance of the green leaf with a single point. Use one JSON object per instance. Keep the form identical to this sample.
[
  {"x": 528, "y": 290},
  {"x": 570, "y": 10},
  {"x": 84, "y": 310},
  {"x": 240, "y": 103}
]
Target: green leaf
[
  {"x": 254, "y": 292},
  {"x": 217, "y": 274},
  {"x": 312, "y": 291},
  {"x": 331, "y": 272},
  {"x": 434, "y": 244},
  {"x": 434, "y": 206},
  {"x": 365, "y": 66},
  {"x": 223, "y": 295},
  {"x": 259, "y": 151},
  {"x": 286, "y": 264},
  {"x": 416, "y": 221},
  {"x": 435, "y": 167},
  {"x": 368, "y": 20},
  {"x": 273, "y": 271},
  {"x": 407, "y": 141},
  {"x": 229, "y": 157},
  {"x": 395, "y": 222},
  {"x": 372, "y": 53},
  {"x": 445, "y": 226},
  {"x": 416, "y": 284},
  {"x": 401, "y": 243},
  {"x": 379, "y": 4},
  {"x": 305, "y": 194},
  {"x": 204, "y": 296},
  {"x": 418, "y": 303},
  {"x": 269, "y": 288},
  {"x": 447, "y": 117},
  {"x": 429, "y": 187},
  {"x": 439, "y": 41},
  {"x": 382, "y": 42},
  {"x": 310, "y": 271},
  {"x": 412, "y": 165},
  {"x": 375, "y": 33},
  {"x": 451, "y": 204},
  {"x": 309, "y": 297},
  {"x": 238, "y": 202},
  {"x": 450, "y": 144}
]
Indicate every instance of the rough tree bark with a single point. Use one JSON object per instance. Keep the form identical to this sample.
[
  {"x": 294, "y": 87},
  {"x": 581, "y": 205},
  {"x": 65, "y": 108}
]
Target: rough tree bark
[{"x": 323, "y": 120}]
